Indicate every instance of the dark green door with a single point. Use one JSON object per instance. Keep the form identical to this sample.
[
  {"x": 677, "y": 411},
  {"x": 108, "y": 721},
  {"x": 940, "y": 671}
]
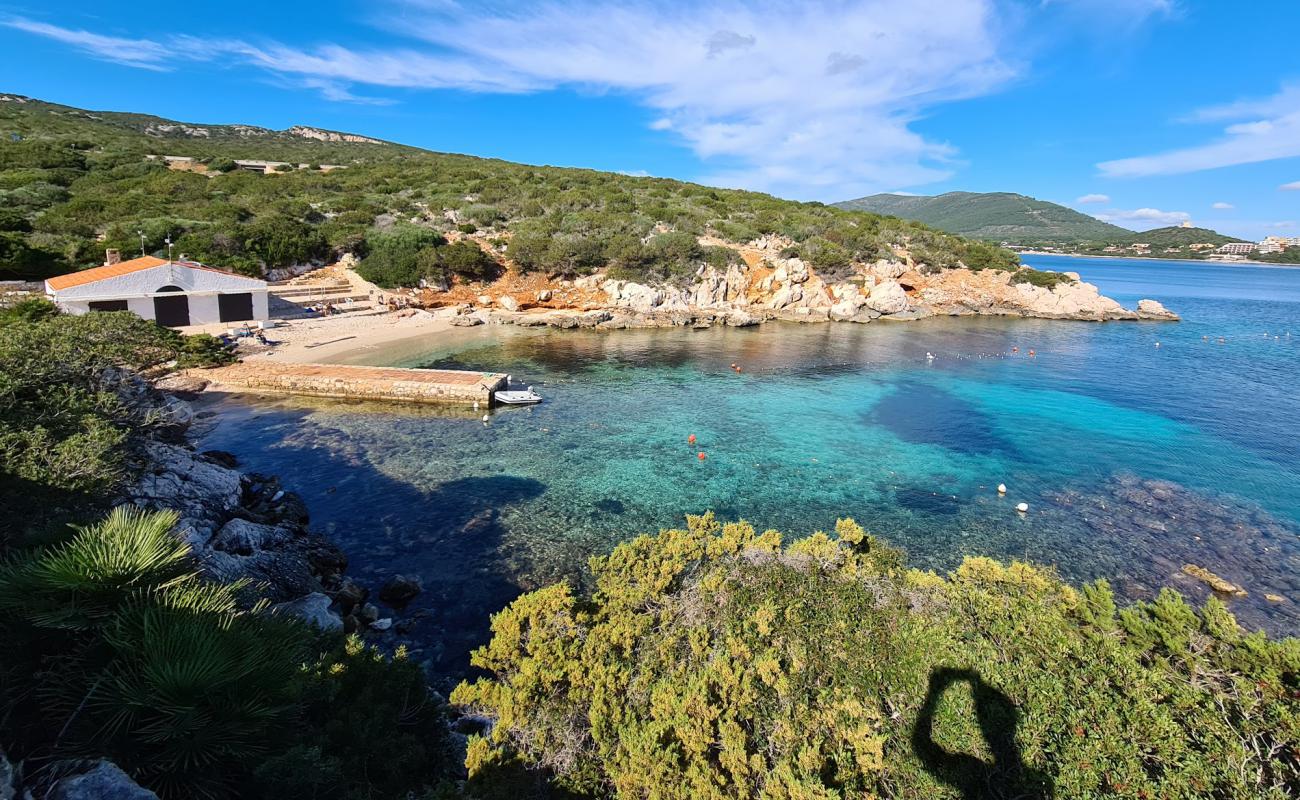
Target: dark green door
[
  {"x": 172, "y": 311},
  {"x": 235, "y": 307}
]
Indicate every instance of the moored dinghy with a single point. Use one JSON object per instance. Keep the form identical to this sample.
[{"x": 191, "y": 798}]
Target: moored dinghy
[{"x": 518, "y": 398}]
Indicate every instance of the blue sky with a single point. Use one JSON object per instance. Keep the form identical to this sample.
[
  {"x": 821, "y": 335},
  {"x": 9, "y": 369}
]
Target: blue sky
[{"x": 1142, "y": 112}]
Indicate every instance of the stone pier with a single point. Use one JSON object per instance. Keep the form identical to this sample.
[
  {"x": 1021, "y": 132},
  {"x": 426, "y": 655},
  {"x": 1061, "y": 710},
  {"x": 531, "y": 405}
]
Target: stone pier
[{"x": 361, "y": 383}]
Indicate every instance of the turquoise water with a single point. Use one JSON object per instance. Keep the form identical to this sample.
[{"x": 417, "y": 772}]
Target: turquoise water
[{"x": 1134, "y": 459}]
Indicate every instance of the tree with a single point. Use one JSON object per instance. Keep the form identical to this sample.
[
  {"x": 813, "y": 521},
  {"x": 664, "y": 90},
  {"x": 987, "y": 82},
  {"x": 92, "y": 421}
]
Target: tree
[{"x": 393, "y": 257}]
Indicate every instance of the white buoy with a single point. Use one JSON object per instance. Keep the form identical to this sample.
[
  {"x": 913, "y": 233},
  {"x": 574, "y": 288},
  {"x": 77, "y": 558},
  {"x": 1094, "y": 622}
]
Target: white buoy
[
  {"x": 476, "y": 405},
  {"x": 1022, "y": 508},
  {"x": 485, "y": 417},
  {"x": 1002, "y": 488}
]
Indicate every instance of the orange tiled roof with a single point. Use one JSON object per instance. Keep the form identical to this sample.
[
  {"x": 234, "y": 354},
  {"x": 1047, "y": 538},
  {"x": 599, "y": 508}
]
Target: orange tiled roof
[{"x": 121, "y": 268}]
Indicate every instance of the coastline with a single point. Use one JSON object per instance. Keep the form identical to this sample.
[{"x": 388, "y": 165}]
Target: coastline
[{"x": 1200, "y": 261}]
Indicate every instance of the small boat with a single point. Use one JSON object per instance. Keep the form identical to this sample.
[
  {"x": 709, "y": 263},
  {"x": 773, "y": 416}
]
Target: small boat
[{"x": 518, "y": 398}]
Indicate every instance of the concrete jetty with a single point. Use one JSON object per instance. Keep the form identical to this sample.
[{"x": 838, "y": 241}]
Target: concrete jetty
[{"x": 361, "y": 383}]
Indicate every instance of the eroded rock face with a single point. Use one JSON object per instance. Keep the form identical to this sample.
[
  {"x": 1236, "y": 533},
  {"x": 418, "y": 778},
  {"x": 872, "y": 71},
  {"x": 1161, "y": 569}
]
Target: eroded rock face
[{"x": 238, "y": 526}]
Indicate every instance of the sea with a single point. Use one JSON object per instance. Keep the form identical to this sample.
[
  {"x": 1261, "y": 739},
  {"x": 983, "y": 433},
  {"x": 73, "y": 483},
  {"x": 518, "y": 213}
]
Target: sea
[{"x": 1139, "y": 447}]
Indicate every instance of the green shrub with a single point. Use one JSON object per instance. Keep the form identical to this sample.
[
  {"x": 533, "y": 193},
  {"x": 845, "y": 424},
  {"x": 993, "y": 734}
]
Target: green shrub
[
  {"x": 718, "y": 662},
  {"x": 1041, "y": 278},
  {"x": 64, "y": 423},
  {"x": 203, "y": 350},
  {"x": 393, "y": 257}
]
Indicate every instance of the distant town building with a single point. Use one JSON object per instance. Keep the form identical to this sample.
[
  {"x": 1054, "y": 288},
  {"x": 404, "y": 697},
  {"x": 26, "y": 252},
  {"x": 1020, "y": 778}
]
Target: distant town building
[
  {"x": 1237, "y": 248},
  {"x": 172, "y": 293},
  {"x": 1187, "y": 223},
  {"x": 1269, "y": 247}
]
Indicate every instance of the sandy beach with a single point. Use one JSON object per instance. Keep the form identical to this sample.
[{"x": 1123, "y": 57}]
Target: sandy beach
[{"x": 324, "y": 339}]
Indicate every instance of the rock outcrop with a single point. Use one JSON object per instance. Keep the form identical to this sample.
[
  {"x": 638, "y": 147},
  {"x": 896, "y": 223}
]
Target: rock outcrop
[
  {"x": 768, "y": 285},
  {"x": 239, "y": 526}
]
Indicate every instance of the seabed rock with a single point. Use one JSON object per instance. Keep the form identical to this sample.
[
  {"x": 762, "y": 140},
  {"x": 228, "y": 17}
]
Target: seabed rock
[{"x": 1220, "y": 585}]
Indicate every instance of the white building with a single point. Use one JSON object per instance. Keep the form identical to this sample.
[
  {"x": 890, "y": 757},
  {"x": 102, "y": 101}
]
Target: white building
[
  {"x": 173, "y": 293},
  {"x": 1237, "y": 248}
]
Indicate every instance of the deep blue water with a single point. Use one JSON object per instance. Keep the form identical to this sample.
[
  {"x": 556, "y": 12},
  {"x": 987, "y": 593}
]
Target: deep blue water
[{"x": 1135, "y": 459}]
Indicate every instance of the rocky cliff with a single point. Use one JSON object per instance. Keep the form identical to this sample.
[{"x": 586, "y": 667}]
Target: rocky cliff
[{"x": 768, "y": 285}]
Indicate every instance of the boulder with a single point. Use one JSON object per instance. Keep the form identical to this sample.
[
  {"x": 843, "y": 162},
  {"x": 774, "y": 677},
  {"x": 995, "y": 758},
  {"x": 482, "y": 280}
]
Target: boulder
[
  {"x": 544, "y": 296},
  {"x": 400, "y": 590},
  {"x": 1154, "y": 310},
  {"x": 103, "y": 781},
  {"x": 508, "y": 303},
  {"x": 888, "y": 298},
  {"x": 314, "y": 609},
  {"x": 350, "y": 595},
  {"x": 484, "y": 300},
  {"x": 382, "y": 624}
]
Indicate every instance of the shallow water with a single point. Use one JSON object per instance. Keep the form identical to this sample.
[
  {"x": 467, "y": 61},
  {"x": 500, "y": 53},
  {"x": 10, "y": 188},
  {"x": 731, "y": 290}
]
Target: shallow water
[{"x": 1135, "y": 459}]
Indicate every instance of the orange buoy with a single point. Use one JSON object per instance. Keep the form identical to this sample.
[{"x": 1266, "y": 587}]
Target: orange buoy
[
  {"x": 702, "y": 456},
  {"x": 1015, "y": 349},
  {"x": 1031, "y": 352},
  {"x": 691, "y": 439},
  {"x": 733, "y": 365}
]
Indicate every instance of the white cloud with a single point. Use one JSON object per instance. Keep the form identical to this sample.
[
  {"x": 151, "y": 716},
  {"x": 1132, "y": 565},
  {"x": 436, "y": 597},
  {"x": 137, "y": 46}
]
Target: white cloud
[
  {"x": 1093, "y": 198},
  {"x": 1263, "y": 129},
  {"x": 131, "y": 52},
  {"x": 1293, "y": 186},
  {"x": 1143, "y": 218},
  {"x": 1223, "y": 206},
  {"x": 815, "y": 100}
]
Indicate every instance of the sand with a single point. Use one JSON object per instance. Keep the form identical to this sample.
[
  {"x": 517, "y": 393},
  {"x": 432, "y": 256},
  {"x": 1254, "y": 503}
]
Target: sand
[{"x": 320, "y": 339}]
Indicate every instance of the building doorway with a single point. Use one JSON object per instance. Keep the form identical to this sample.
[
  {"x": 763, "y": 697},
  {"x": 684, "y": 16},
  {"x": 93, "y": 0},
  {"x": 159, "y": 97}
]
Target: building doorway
[
  {"x": 172, "y": 311},
  {"x": 235, "y": 307}
]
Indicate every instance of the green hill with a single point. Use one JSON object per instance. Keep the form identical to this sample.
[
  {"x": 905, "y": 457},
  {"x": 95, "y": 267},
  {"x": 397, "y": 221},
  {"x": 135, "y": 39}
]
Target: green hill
[
  {"x": 74, "y": 182},
  {"x": 995, "y": 216},
  {"x": 1177, "y": 236}
]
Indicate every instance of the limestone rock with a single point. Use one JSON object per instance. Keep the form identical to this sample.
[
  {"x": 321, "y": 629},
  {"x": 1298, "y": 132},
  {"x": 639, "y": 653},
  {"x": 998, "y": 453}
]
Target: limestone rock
[
  {"x": 314, "y": 609},
  {"x": 1154, "y": 310},
  {"x": 508, "y": 303},
  {"x": 544, "y": 296},
  {"x": 1220, "y": 585},
  {"x": 888, "y": 298},
  {"x": 103, "y": 781}
]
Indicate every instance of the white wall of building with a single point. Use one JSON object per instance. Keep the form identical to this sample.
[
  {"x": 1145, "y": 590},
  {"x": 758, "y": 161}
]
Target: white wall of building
[{"x": 201, "y": 287}]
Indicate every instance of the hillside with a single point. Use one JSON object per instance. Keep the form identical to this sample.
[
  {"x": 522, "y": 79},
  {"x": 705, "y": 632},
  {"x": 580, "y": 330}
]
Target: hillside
[
  {"x": 1176, "y": 236},
  {"x": 75, "y": 182},
  {"x": 996, "y": 216}
]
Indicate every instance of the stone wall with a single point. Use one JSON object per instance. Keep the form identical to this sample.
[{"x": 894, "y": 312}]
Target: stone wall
[{"x": 363, "y": 383}]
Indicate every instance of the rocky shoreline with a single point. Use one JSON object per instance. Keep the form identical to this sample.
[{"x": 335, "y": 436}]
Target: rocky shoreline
[{"x": 767, "y": 286}]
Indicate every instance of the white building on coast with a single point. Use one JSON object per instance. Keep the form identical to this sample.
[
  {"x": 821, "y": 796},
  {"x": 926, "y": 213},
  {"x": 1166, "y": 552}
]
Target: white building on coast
[{"x": 172, "y": 293}]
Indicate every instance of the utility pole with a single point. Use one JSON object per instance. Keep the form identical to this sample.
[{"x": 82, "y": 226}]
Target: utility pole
[
  {"x": 141, "y": 233},
  {"x": 169, "y": 248}
]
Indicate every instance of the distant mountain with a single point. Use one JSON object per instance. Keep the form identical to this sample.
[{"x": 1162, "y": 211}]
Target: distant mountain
[
  {"x": 996, "y": 216},
  {"x": 1177, "y": 236}
]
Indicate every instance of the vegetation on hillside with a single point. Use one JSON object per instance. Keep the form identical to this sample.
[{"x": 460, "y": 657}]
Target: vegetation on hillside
[
  {"x": 994, "y": 216},
  {"x": 75, "y": 183},
  {"x": 718, "y": 662},
  {"x": 114, "y": 647}
]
